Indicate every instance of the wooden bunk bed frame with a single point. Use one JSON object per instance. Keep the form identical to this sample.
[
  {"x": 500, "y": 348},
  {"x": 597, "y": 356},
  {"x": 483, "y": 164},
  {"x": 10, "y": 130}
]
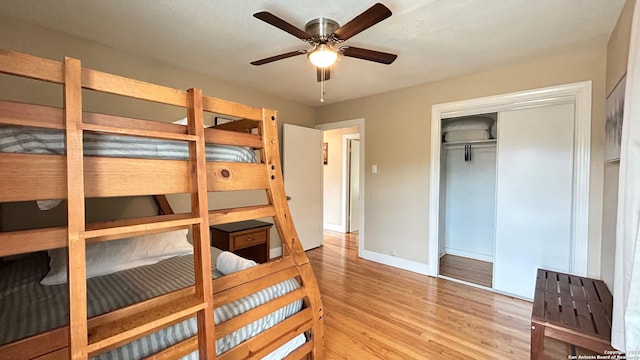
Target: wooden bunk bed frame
[{"x": 26, "y": 177}]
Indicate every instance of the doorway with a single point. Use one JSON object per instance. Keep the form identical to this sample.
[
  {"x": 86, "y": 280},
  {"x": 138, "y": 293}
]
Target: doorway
[
  {"x": 343, "y": 183},
  {"x": 353, "y": 182}
]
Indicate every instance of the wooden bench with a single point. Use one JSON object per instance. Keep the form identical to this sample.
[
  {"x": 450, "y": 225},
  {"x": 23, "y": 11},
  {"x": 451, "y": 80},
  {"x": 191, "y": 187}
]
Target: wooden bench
[{"x": 572, "y": 309}]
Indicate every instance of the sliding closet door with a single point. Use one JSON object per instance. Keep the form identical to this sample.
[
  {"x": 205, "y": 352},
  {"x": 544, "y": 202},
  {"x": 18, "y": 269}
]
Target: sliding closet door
[{"x": 533, "y": 195}]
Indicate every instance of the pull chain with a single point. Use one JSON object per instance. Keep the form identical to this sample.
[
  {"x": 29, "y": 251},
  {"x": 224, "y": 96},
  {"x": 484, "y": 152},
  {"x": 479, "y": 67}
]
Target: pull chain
[{"x": 322, "y": 86}]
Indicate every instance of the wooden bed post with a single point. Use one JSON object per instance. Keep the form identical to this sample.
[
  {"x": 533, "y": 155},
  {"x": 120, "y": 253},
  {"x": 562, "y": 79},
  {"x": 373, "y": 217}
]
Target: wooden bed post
[
  {"x": 286, "y": 228},
  {"x": 200, "y": 208},
  {"x": 76, "y": 269}
]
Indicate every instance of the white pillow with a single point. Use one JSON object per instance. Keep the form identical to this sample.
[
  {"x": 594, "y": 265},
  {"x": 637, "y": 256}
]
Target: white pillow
[
  {"x": 110, "y": 256},
  {"x": 184, "y": 122},
  {"x": 470, "y": 123},
  {"x": 229, "y": 262},
  {"x": 181, "y": 121},
  {"x": 466, "y": 135}
]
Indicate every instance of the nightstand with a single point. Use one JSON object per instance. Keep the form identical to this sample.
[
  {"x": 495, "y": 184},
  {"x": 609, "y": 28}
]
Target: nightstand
[{"x": 249, "y": 239}]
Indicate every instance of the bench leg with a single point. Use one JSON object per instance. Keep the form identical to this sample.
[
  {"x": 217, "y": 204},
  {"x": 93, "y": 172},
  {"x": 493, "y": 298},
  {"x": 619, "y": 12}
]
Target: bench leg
[{"x": 537, "y": 342}]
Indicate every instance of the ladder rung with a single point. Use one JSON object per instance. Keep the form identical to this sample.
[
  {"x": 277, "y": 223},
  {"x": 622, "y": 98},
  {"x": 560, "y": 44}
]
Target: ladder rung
[
  {"x": 61, "y": 354},
  {"x": 223, "y": 216},
  {"x": 176, "y": 351},
  {"x": 241, "y": 278},
  {"x": 110, "y": 335},
  {"x": 136, "y": 132},
  {"x": 25, "y": 241},
  {"x": 246, "y": 318},
  {"x": 17, "y": 113},
  {"x": 258, "y": 283},
  {"x": 263, "y": 343},
  {"x": 243, "y": 125},
  {"x": 119, "y": 229},
  {"x": 226, "y": 137}
]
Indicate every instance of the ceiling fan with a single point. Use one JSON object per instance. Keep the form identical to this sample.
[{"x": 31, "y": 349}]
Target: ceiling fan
[{"x": 325, "y": 35}]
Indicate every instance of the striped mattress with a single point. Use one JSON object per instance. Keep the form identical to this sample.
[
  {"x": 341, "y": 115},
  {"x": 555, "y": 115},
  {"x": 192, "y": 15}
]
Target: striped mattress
[
  {"x": 22, "y": 139},
  {"x": 28, "y": 308}
]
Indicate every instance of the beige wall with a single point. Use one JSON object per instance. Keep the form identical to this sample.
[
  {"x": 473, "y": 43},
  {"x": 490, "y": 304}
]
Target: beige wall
[
  {"x": 617, "y": 56},
  {"x": 397, "y": 125},
  {"x": 397, "y": 133},
  {"x": 333, "y": 176},
  {"x": 24, "y": 37}
]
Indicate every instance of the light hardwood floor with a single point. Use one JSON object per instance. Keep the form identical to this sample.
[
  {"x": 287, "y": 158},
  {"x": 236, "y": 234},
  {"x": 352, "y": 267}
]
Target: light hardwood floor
[
  {"x": 373, "y": 311},
  {"x": 470, "y": 270}
]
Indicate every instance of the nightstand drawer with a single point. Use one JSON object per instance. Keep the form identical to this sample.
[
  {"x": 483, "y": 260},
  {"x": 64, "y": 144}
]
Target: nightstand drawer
[{"x": 251, "y": 239}]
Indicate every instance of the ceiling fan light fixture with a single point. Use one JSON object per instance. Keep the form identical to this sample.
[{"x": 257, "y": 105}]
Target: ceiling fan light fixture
[{"x": 323, "y": 56}]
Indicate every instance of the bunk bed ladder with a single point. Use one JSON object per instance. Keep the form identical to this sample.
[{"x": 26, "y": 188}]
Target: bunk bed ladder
[
  {"x": 76, "y": 269},
  {"x": 291, "y": 245},
  {"x": 89, "y": 338}
]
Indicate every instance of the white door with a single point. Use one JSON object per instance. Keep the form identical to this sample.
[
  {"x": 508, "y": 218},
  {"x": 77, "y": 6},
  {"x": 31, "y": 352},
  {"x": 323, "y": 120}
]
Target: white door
[
  {"x": 354, "y": 185},
  {"x": 302, "y": 158},
  {"x": 533, "y": 196}
]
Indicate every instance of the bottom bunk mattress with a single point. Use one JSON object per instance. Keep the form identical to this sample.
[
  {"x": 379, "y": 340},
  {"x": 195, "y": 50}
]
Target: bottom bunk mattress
[{"x": 28, "y": 308}]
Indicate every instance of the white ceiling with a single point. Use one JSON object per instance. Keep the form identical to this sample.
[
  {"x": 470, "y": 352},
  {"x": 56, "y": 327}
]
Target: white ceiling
[{"x": 434, "y": 39}]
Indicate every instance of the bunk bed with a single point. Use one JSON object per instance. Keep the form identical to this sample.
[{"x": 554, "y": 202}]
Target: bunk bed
[{"x": 215, "y": 306}]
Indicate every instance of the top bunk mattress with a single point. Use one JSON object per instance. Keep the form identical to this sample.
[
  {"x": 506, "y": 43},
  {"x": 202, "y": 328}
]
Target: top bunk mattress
[{"x": 30, "y": 140}]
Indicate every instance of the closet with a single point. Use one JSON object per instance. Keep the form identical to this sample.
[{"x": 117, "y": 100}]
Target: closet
[
  {"x": 506, "y": 195},
  {"x": 468, "y": 168}
]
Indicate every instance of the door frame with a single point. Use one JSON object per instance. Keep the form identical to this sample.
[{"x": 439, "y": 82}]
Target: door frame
[
  {"x": 579, "y": 94},
  {"x": 360, "y": 124},
  {"x": 346, "y": 179}
]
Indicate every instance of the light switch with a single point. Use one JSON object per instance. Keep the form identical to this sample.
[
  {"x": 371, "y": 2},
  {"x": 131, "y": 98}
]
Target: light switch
[{"x": 374, "y": 168}]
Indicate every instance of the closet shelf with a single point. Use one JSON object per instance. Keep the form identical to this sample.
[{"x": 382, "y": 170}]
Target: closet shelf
[{"x": 470, "y": 142}]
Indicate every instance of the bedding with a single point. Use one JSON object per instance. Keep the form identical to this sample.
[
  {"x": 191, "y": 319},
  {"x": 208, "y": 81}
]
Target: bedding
[
  {"x": 466, "y": 135},
  {"x": 229, "y": 262},
  {"x": 467, "y": 123},
  {"x": 28, "y": 308},
  {"x": 30, "y": 140},
  {"x": 23, "y": 139},
  {"x": 110, "y": 256}
]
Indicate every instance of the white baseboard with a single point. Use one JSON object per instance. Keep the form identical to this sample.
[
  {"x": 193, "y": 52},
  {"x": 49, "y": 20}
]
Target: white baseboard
[
  {"x": 334, "y": 227},
  {"x": 397, "y": 262},
  {"x": 275, "y": 252},
  {"x": 468, "y": 254}
]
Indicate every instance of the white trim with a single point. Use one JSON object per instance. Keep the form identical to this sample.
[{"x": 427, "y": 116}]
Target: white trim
[
  {"x": 578, "y": 93},
  {"x": 483, "y": 287},
  {"x": 345, "y": 178},
  {"x": 334, "y": 227},
  {"x": 448, "y": 278},
  {"x": 404, "y": 264},
  {"x": 275, "y": 252},
  {"x": 360, "y": 124},
  {"x": 467, "y": 254}
]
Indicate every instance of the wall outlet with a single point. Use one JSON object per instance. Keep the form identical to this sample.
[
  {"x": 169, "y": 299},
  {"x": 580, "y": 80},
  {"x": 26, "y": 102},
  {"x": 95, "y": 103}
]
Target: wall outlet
[{"x": 374, "y": 168}]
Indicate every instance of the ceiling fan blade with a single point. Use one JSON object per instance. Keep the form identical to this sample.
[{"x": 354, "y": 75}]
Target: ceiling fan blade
[
  {"x": 271, "y": 19},
  {"x": 367, "y": 19},
  {"x": 323, "y": 74},
  {"x": 366, "y": 54},
  {"x": 278, "y": 57}
]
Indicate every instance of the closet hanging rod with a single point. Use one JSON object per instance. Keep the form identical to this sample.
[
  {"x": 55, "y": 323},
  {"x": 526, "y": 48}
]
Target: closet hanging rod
[{"x": 462, "y": 146}]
